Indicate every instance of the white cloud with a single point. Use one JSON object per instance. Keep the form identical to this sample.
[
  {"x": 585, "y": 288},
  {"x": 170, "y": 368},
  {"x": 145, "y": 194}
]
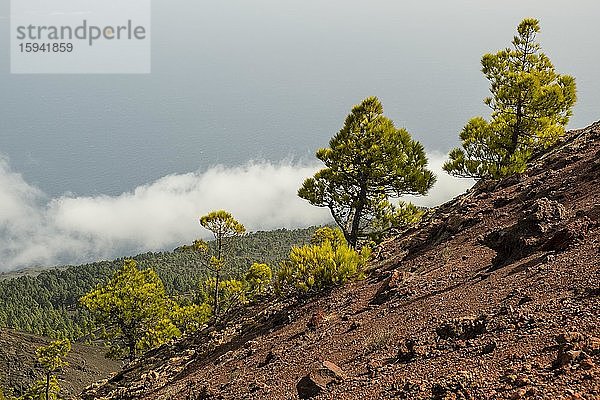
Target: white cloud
[
  {"x": 446, "y": 187},
  {"x": 35, "y": 230}
]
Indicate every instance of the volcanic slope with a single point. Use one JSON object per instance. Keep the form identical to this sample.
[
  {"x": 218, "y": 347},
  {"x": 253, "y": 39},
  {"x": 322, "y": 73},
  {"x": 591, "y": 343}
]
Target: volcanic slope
[
  {"x": 495, "y": 295},
  {"x": 19, "y": 368}
]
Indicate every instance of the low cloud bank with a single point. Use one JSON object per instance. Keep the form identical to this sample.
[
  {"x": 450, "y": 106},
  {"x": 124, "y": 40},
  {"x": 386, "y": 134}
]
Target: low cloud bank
[
  {"x": 38, "y": 230},
  {"x": 446, "y": 187}
]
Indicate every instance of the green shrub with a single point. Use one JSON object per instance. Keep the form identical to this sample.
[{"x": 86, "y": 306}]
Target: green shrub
[
  {"x": 327, "y": 234},
  {"x": 258, "y": 278},
  {"x": 190, "y": 318},
  {"x": 231, "y": 294},
  {"x": 389, "y": 216},
  {"x": 325, "y": 263}
]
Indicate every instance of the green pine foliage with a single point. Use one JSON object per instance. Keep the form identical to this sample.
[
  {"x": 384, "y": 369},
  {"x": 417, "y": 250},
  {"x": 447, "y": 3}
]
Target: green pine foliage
[
  {"x": 328, "y": 234},
  {"x": 368, "y": 161},
  {"x": 328, "y": 262},
  {"x": 48, "y": 304},
  {"x": 133, "y": 309},
  {"x": 51, "y": 360},
  {"x": 37, "y": 391},
  {"x": 391, "y": 216},
  {"x": 190, "y": 318},
  {"x": 231, "y": 294},
  {"x": 531, "y": 104},
  {"x": 258, "y": 279},
  {"x": 224, "y": 228}
]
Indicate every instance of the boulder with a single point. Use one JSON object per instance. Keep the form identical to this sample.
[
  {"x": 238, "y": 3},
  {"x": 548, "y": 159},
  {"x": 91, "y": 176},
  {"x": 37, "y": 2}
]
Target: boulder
[
  {"x": 317, "y": 381},
  {"x": 462, "y": 328},
  {"x": 408, "y": 351}
]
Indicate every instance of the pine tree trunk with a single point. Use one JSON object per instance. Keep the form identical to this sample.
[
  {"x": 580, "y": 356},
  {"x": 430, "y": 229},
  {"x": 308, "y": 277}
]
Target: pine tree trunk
[
  {"x": 218, "y": 279},
  {"x": 131, "y": 346},
  {"x": 353, "y": 240},
  {"x": 216, "y": 295},
  {"x": 47, "y": 385},
  {"x": 514, "y": 142}
]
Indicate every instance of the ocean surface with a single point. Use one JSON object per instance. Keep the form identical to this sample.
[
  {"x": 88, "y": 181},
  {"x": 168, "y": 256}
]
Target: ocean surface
[{"x": 242, "y": 80}]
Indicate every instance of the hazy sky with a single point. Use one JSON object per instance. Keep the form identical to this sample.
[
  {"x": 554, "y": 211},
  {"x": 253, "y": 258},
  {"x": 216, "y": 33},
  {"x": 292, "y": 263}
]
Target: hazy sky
[{"x": 238, "y": 80}]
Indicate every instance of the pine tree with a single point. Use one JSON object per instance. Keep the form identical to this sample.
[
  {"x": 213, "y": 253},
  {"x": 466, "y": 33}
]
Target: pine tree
[
  {"x": 223, "y": 226},
  {"x": 51, "y": 361},
  {"x": 134, "y": 309},
  {"x": 531, "y": 105},
  {"x": 368, "y": 161}
]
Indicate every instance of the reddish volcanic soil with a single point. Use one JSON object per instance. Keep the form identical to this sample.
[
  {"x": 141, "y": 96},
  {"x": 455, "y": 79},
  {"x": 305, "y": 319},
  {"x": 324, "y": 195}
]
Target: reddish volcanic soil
[{"x": 495, "y": 295}]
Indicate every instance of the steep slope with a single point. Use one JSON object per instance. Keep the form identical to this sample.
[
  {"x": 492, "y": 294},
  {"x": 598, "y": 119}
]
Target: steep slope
[
  {"x": 495, "y": 295},
  {"x": 18, "y": 369}
]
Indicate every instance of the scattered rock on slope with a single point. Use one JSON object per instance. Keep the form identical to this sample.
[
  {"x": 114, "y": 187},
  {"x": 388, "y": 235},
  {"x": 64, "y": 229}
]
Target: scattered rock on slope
[{"x": 483, "y": 285}]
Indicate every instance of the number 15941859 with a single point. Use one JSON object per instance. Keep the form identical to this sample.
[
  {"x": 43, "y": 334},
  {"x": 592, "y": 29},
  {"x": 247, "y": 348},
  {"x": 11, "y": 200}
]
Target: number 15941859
[{"x": 46, "y": 47}]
